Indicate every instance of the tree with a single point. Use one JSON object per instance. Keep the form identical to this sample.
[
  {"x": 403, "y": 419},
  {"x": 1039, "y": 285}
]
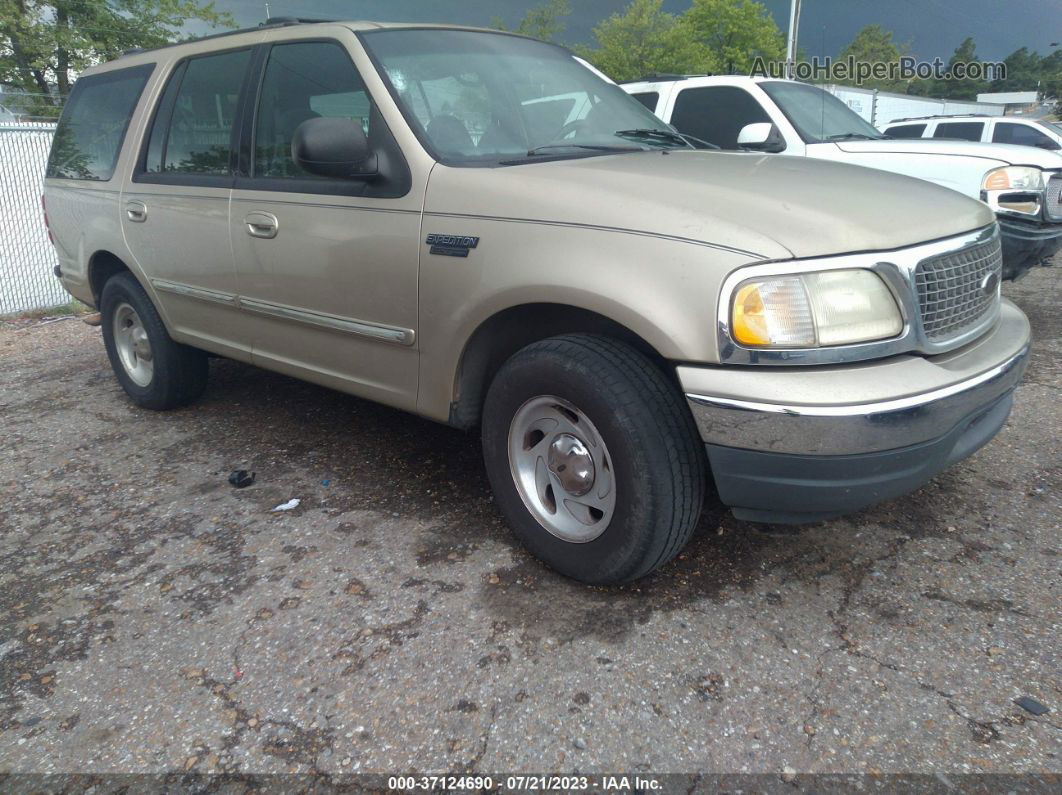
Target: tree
[
  {"x": 645, "y": 40},
  {"x": 874, "y": 44},
  {"x": 734, "y": 33},
  {"x": 1023, "y": 71},
  {"x": 44, "y": 44},
  {"x": 541, "y": 22},
  {"x": 952, "y": 87},
  {"x": 963, "y": 88}
]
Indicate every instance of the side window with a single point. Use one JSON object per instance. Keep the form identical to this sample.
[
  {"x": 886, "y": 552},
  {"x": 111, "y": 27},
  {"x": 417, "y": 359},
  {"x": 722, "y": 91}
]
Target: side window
[
  {"x": 716, "y": 113},
  {"x": 648, "y": 98},
  {"x": 192, "y": 133},
  {"x": 906, "y": 131},
  {"x": 963, "y": 130},
  {"x": 90, "y": 132},
  {"x": 1022, "y": 134},
  {"x": 302, "y": 81}
]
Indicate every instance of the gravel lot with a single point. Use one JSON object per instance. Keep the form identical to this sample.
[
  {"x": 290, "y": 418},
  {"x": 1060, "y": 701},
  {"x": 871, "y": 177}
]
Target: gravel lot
[{"x": 156, "y": 619}]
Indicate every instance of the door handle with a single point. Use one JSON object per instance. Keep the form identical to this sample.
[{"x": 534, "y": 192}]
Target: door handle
[
  {"x": 263, "y": 225},
  {"x": 136, "y": 212}
]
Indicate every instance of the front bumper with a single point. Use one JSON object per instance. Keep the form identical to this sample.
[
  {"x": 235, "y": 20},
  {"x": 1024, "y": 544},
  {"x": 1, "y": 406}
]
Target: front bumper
[
  {"x": 1027, "y": 243},
  {"x": 801, "y": 444}
]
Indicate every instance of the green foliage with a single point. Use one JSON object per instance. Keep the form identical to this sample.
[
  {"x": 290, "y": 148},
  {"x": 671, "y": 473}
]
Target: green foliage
[
  {"x": 44, "y": 44},
  {"x": 541, "y": 22},
  {"x": 874, "y": 44},
  {"x": 733, "y": 33},
  {"x": 965, "y": 88},
  {"x": 712, "y": 36},
  {"x": 645, "y": 40}
]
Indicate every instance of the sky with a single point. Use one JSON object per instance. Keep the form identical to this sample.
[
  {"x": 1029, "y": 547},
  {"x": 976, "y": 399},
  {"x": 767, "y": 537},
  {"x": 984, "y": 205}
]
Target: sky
[{"x": 929, "y": 27}]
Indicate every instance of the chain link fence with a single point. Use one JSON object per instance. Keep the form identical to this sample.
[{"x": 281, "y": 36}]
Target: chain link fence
[{"x": 27, "y": 258}]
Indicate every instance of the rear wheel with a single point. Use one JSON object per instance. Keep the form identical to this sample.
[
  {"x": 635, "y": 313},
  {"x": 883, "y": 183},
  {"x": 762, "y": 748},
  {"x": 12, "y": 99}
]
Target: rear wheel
[
  {"x": 154, "y": 371},
  {"x": 593, "y": 457}
]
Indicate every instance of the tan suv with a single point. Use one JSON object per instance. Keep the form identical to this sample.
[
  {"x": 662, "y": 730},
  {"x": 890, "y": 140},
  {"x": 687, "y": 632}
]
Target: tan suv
[{"x": 475, "y": 227}]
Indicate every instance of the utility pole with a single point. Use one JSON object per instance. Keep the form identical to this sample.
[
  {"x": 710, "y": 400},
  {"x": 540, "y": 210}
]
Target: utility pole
[{"x": 791, "y": 44}]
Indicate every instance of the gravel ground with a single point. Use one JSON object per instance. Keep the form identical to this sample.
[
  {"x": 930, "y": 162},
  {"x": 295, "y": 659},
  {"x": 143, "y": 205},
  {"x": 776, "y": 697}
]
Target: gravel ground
[{"x": 156, "y": 619}]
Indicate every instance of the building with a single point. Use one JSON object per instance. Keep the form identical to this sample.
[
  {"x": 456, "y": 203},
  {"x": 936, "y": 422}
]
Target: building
[{"x": 1013, "y": 102}]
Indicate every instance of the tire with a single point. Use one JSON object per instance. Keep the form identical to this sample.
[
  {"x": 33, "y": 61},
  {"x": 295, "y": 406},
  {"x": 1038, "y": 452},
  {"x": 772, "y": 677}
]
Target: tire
[
  {"x": 638, "y": 447},
  {"x": 155, "y": 372}
]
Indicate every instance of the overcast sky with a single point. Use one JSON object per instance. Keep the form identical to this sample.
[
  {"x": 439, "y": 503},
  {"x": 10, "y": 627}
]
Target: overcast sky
[{"x": 931, "y": 27}]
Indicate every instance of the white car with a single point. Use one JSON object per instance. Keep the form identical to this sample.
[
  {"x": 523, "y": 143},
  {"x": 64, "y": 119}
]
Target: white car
[
  {"x": 988, "y": 129},
  {"x": 1022, "y": 184}
]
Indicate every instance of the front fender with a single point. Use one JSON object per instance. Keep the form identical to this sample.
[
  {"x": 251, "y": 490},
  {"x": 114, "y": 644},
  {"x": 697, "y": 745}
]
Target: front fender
[{"x": 662, "y": 290}]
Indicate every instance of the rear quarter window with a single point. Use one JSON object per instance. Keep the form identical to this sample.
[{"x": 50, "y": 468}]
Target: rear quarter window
[
  {"x": 906, "y": 131},
  {"x": 92, "y": 127}
]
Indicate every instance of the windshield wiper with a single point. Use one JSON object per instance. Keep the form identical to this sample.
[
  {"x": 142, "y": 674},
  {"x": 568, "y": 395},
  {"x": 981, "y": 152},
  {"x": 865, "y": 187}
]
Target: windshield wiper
[
  {"x": 854, "y": 136},
  {"x": 593, "y": 147},
  {"x": 664, "y": 135}
]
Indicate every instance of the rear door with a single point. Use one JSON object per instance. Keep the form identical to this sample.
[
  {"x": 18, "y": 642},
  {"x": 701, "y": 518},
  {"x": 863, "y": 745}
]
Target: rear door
[
  {"x": 327, "y": 267},
  {"x": 960, "y": 130},
  {"x": 175, "y": 211}
]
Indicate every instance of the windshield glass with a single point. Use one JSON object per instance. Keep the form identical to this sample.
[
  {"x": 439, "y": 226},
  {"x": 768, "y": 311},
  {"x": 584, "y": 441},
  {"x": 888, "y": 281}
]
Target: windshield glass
[
  {"x": 818, "y": 115},
  {"x": 477, "y": 97}
]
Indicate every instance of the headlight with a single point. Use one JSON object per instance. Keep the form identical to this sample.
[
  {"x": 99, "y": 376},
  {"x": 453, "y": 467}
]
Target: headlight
[
  {"x": 1013, "y": 178},
  {"x": 814, "y": 309}
]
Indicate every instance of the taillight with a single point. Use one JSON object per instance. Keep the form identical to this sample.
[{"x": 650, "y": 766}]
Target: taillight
[{"x": 47, "y": 225}]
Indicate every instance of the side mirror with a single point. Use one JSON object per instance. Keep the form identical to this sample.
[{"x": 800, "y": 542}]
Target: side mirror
[
  {"x": 333, "y": 148},
  {"x": 761, "y": 137}
]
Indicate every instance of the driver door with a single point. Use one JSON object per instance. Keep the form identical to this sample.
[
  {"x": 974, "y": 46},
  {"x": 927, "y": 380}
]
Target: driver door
[{"x": 327, "y": 267}]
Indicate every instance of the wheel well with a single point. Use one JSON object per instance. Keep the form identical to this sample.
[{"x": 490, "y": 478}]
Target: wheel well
[
  {"x": 505, "y": 333},
  {"x": 102, "y": 266}
]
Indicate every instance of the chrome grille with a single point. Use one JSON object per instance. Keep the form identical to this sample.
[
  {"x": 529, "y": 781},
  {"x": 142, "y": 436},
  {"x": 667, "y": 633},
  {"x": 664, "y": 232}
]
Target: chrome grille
[
  {"x": 951, "y": 289},
  {"x": 1053, "y": 202}
]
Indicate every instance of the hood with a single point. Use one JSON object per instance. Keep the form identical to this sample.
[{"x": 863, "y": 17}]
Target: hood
[
  {"x": 765, "y": 206},
  {"x": 1006, "y": 154}
]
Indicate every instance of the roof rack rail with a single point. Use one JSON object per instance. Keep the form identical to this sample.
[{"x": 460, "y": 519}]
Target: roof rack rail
[
  {"x": 283, "y": 21},
  {"x": 272, "y": 22},
  {"x": 663, "y": 78},
  {"x": 944, "y": 116}
]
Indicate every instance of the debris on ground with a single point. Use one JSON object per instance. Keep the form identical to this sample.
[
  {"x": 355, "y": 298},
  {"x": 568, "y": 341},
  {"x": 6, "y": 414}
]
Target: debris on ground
[
  {"x": 241, "y": 478},
  {"x": 290, "y": 505},
  {"x": 1031, "y": 705}
]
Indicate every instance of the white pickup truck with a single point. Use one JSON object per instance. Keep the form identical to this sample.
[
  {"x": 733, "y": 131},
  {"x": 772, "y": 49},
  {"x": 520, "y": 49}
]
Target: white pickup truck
[{"x": 1022, "y": 185}]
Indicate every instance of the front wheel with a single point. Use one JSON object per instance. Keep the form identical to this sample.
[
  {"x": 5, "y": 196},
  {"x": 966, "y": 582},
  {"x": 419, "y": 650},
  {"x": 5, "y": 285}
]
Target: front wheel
[
  {"x": 156, "y": 372},
  {"x": 593, "y": 457}
]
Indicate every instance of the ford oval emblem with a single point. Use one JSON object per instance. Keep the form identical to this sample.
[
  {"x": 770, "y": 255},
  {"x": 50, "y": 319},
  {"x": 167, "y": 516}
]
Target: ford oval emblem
[{"x": 990, "y": 283}]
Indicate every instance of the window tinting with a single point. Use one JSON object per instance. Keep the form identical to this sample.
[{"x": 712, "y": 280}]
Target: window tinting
[
  {"x": 964, "y": 130},
  {"x": 648, "y": 98},
  {"x": 906, "y": 131},
  {"x": 197, "y": 137},
  {"x": 90, "y": 131},
  {"x": 306, "y": 80},
  {"x": 716, "y": 113},
  {"x": 1021, "y": 134}
]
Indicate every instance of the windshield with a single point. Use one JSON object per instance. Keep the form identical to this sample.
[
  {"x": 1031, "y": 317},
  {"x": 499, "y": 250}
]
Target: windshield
[
  {"x": 818, "y": 115},
  {"x": 481, "y": 98}
]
